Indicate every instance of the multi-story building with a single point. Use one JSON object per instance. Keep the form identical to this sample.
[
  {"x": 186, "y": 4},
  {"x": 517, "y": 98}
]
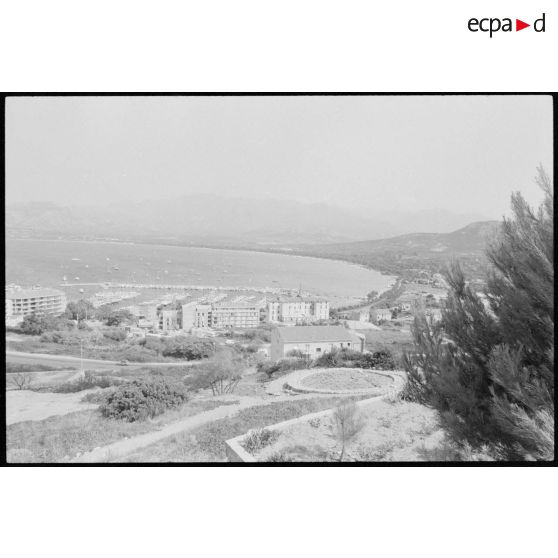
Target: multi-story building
[
  {"x": 23, "y": 302},
  {"x": 168, "y": 320},
  {"x": 220, "y": 314},
  {"x": 235, "y": 314},
  {"x": 313, "y": 341},
  {"x": 188, "y": 320},
  {"x": 203, "y": 316},
  {"x": 297, "y": 309}
]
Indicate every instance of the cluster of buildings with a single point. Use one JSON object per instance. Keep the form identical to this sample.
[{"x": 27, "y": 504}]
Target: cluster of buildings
[
  {"x": 405, "y": 305},
  {"x": 221, "y": 312},
  {"x": 22, "y": 302}
]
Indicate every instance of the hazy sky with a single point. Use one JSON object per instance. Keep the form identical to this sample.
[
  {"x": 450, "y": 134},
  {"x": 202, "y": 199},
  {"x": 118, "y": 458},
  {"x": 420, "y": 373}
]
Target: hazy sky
[{"x": 464, "y": 154}]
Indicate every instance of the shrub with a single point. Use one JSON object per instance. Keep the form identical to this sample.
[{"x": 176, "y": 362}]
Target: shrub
[
  {"x": 115, "y": 333},
  {"x": 189, "y": 348},
  {"x": 142, "y": 399},
  {"x": 346, "y": 358},
  {"x": 283, "y": 366},
  {"x": 89, "y": 381},
  {"x": 258, "y": 439},
  {"x": 278, "y": 457},
  {"x": 34, "y": 324},
  {"x": 221, "y": 374}
]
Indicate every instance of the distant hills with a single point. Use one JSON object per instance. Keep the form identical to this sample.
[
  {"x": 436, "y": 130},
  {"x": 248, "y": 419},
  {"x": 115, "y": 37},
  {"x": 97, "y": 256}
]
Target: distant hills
[
  {"x": 216, "y": 220},
  {"x": 409, "y": 253}
]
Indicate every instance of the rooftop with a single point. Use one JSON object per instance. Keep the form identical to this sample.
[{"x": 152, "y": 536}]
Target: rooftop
[
  {"x": 32, "y": 293},
  {"x": 314, "y": 334},
  {"x": 297, "y": 299}
]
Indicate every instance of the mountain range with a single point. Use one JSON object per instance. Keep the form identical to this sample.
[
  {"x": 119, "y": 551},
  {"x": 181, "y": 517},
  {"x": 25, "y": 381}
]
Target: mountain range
[{"x": 219, "y": 220}]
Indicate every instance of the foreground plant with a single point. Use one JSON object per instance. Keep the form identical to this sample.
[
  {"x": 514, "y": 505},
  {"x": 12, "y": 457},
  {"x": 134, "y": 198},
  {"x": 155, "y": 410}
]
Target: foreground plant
[
  {"x": 488, "y": 367},
  {"x": 347, "y": 421}
]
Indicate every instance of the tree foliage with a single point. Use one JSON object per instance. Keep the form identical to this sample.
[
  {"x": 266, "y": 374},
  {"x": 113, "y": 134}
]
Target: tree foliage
[
  {"x": 80, "y": 310},
  {"x": 488, "y": 367},
  {"x": 37, "y": 324},
  {"x": 221, "y": 374}
]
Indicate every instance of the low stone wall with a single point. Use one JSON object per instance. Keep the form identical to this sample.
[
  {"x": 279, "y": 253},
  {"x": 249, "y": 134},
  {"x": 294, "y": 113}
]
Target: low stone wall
[
  {"x": 295, "y": 383},
  {"x": 237, "y": 454}
]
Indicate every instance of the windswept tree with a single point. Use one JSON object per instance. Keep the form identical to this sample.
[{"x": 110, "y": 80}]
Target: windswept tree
[
  {"x": 346, "y": 422},
  {"x": 488, "y": 367},
  {"x": 221, "y": 374}
]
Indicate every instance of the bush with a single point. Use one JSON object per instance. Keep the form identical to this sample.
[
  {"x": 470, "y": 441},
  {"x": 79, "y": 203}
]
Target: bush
[
  {"x": 34, "y": 324},
  {"x": 188, "y": 348},
  {"x": 346, "y": 358},
  {"x": 142, "y": 399},
  {"x": 283, "y": 366},
  {"x": 258, "y": 439},
  {"x": 89, "y": 381},
  {"x": 115, "y": 333},
  {"x": 221, "y": 374}
]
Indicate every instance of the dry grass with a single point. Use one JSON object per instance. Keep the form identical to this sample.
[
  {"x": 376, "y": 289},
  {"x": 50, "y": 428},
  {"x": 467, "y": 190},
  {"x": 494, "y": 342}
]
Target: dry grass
[
  {"x": 207, "y": 443},
  {"x": 345, "y": 378},
  {"x": 58, "y": 438},
  {"x": 397, "y": 431}
]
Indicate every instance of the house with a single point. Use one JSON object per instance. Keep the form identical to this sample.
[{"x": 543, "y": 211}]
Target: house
[
  {"x": 378, "y": 315},
  {"x": 312, "y": 341},
  {"x": 354, "y": 315}
]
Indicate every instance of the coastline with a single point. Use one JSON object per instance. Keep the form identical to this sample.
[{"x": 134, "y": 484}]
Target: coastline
[{"x": 245, "y": 249}]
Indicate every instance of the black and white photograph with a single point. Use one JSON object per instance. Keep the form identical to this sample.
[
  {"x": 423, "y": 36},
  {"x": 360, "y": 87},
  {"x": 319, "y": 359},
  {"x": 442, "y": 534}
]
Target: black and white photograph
[{"x": 279, "y": 279}]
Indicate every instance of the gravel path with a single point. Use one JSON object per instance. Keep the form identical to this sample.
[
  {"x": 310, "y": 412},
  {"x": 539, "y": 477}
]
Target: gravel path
[{"x": 117, "y": 450}]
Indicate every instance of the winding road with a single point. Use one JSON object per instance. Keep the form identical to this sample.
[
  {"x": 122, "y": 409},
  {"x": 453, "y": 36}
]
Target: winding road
[{"x": 68, "y": 361}]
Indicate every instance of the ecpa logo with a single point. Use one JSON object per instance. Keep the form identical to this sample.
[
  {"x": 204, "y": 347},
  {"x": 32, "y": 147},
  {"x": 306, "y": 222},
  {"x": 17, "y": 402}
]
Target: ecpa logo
[{"x": 493, "y": 25}]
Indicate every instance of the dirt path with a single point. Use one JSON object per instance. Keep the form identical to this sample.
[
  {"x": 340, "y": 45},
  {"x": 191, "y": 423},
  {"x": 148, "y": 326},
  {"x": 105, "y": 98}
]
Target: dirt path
[
  {"x": 67, "y": 360},
  {"x": 117, "y": 450}
]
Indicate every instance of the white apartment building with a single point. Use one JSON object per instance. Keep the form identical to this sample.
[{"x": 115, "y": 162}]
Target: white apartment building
[
  {"x": 23, "y": 302},
  {"x": 235, "y": 314},
  {"x": 297, "y": 309},
  {"x": 220, "y": 315},
  {"x": 189, "y": 315},
  {"x": 168, "y": 320},
  {"x": 203, "y": 316}
]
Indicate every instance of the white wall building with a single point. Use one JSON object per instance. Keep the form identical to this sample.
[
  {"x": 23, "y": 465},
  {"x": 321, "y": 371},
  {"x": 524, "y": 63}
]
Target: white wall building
[
  {"x": 378, "y": 315},
  {"x": 297, "y": 309},
  {"x": 235, "y": 314},
  {"x": 313, "y": 341},
  {"x": 23, "y": 302}
]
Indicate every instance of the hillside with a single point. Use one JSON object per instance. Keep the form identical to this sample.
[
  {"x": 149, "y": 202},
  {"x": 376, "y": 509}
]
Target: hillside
[{"x": 410, "y": 253}]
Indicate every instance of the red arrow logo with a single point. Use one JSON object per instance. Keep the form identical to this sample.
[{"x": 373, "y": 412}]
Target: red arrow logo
[{"x": 519, "y": 25}]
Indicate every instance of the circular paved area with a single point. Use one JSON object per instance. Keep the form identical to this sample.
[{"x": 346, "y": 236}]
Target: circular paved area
[{"x": 342, "y": 381}]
